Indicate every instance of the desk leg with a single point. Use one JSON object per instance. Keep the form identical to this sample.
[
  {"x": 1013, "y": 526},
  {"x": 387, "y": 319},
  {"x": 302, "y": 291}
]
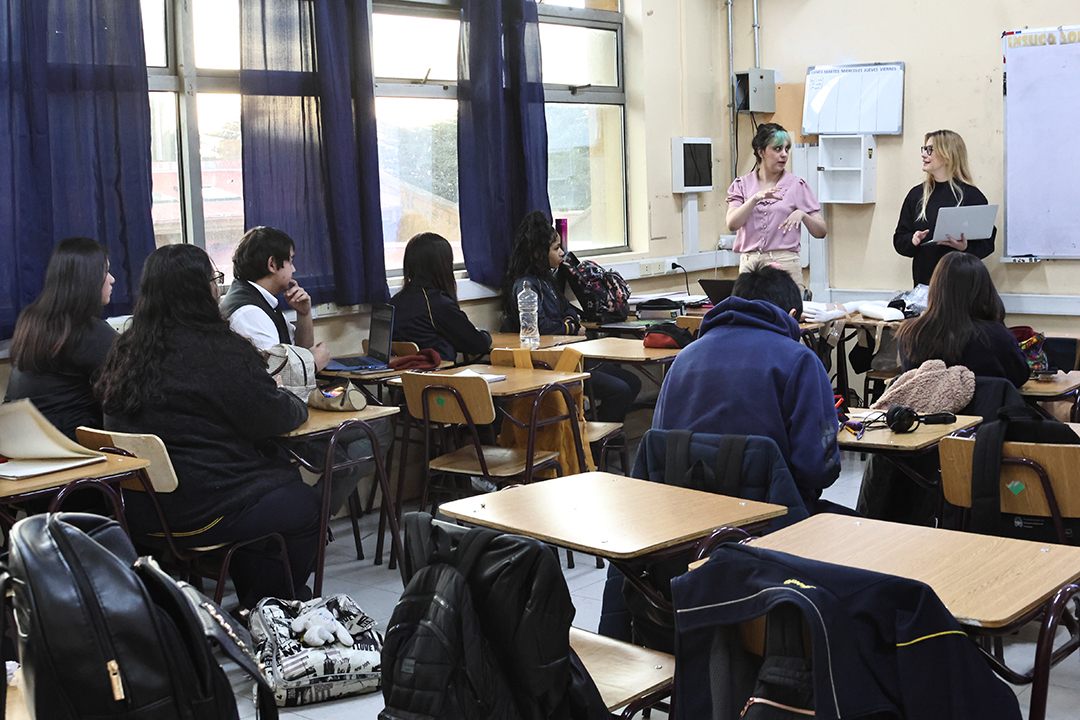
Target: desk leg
[{"x": 1045, "y": 655}]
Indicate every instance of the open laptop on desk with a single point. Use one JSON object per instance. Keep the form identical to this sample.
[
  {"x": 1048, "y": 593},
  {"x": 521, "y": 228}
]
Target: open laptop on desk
[
  {"x": 717, "y": 290},
  {"x": 378, "y": 357}
]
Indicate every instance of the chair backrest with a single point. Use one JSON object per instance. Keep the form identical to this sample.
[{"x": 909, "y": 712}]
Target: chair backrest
[
  {"x": 564, "y": 359},
  {"x": 1021, "y": 492},
  {"x": 443, "y": 405},
  {"x": 690, "y": 322},
  {"x": 147, "y": 447},
  {"x": 397, "y": 349}
]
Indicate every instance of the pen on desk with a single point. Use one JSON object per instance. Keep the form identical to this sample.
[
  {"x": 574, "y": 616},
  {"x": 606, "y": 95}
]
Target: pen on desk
[{"x": 851, "y": 430}]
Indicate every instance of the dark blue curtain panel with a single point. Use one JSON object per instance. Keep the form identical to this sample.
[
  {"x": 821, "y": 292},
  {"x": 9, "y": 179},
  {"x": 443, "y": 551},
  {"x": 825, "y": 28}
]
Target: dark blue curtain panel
[
  {"x": 502, "y": 131},
  {"x": 74, "y": 142},
  {"x": 310, "y": 151}
]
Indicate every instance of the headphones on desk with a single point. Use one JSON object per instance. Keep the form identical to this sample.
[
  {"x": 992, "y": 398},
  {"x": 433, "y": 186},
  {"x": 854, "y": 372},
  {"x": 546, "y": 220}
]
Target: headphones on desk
[{"x": 902, "y": 419}]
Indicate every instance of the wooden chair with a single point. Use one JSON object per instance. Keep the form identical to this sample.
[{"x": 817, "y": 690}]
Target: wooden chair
[
  {"x": 607, "y": 435},
  {"x": 627, "y": 676},
  {"x": 874, "y": 382},
  {"x": 1049, "y": 487},
  {"x": 397, "y": 349},
  {"x": 466, "y": 401},
  {"x": 690, "y": 322},
  {"x": 189, "y": 563}
]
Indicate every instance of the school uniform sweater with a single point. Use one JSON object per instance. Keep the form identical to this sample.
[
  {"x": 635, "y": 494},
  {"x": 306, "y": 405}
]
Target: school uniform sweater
[
  {"x": 63, "y": 393},
  {"x": 924, "y": 258},
  {"x": 555, "y": 314},
  {"x": 219, "y": 413},
  {"x": 748, "y": 374},
  {"x": 432, "y": 319},
  {"x": 992, "y": 351}
]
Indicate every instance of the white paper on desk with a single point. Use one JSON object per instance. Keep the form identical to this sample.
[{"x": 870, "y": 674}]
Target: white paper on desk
[
  {"x": 25, "y": 434},
  {"x": 490, "y": 377},
  {"x": 18, "y": 469},
  {"x": 865, "y": 415}
]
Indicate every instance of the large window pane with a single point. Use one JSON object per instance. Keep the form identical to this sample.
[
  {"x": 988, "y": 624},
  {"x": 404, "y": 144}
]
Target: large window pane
[
  {"x": 217, "y": 34},
  {"x": 585, "y": 173},
  {"x": 414, "y": 47},
  {"x": 589, "y": 4},
  {"x": 417, "y": 172},
  {"x": 222, "y": 176},
  {"x": 578, "y": 55},
  {"x": 166, "y": 208},
  {"x": 153, "y": 18}
]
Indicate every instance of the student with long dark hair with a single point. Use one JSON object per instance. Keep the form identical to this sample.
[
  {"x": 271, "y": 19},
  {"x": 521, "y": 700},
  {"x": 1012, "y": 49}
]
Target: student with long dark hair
[
  {"x": 963, "y": 324},
  {"x": 180, "y": 373},
  {"x": 60, "y": 340},
  {"x": 426, "y": 310},
  {"x": 537, "y": 253}
]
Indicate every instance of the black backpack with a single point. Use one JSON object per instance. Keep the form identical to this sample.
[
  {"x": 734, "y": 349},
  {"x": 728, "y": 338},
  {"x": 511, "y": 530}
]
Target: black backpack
[
  {"x": 603, "y": 294},
  {"x": 1021, "y": 423},
  {"x": 436, "y": 662},
  {"x": 104, "y": 633}
]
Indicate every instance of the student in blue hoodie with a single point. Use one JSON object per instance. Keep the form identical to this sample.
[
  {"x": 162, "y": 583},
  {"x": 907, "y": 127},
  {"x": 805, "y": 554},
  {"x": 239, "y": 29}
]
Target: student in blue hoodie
[{"x": 748, "y": 374}]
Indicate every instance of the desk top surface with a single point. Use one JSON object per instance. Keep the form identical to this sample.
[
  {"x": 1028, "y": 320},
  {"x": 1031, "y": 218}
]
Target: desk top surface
[
  {"x": 608, "y": 515},
  {"x": 921, "y": 438},
  {"x": 320, "y": 420},
  {"x": 983, "y": 580},
  {"x": 1061, "y": 384},
  {"x": 113, "y": 465},
  {"x": 518, "y": 380},
  {"x": 513, "y": 340},
  {"x": 624, "y": 350}
]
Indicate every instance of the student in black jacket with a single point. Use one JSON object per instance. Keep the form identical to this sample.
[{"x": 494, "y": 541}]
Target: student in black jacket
[
  {"x": 426, "y": 311},
  {"x": 180, "y": 373},
  {"x": 60, "y": 340},
  {"x": 537, "y": 253}
]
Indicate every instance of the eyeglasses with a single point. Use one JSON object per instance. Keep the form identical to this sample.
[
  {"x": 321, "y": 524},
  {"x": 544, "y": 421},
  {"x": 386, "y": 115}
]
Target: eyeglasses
[
  {"x": 927, "y": 150},
  {"x": 218, "y": 277}
]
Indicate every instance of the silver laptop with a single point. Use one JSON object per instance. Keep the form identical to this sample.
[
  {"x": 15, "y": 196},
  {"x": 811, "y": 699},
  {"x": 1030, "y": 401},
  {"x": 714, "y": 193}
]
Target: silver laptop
[{"x": 974, "y": 222}]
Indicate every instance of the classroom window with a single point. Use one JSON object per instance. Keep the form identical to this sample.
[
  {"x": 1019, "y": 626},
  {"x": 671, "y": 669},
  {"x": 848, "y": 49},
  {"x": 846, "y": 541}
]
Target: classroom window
[
  {"x": 165, "y": 170},
  {"x": 222, "y": 176},
  {"x": 153, "y": 13},
  {"x": 612, "y": 5},
  {"x": 217, "y": 34},
  {"x": 579, "y": 56}
]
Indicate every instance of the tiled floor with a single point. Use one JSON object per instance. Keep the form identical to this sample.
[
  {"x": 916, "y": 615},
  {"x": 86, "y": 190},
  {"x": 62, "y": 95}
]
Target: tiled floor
[{"x": 376, "y": 589}]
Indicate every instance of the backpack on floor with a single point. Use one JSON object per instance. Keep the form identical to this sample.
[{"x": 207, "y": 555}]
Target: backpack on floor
[
  {"x": 603, "y": 294},
  {"x": 104, "y": 633},
  {"x": 301, "y": 674}
]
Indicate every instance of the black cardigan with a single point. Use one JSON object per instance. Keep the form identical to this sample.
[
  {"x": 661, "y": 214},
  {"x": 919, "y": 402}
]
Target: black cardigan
[
  {"x": 925, "y": 257},
  {"x": 992, "y": 351},
  {"x": 63, "y": 394},
  {"x": 220, "y": 408},
  {"x": 432, "y": 319}
]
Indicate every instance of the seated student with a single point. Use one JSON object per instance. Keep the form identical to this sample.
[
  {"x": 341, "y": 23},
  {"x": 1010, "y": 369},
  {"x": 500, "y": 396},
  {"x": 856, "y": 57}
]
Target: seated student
[
  {"x": 537, "y": 252},
  {"x": 963, "y": 324},
  {"x": 426, "y": 311},
  {"x": 180, "y": 373},
  {"x": 263, "y": 267},
  {"x": 748, "y": 374},
  {"x": 60, "y": 340}
]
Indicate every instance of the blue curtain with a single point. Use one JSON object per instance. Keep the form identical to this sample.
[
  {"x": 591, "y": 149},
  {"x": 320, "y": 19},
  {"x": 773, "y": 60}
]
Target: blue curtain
[
  {"x": 74, "y": 142},
  {"x": 310, "y": 151},
  {"x": 502, "y": 132}
]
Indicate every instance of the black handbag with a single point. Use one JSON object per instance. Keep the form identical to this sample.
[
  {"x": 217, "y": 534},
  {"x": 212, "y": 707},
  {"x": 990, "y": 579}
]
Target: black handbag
[{"x": 104, "y": 633}]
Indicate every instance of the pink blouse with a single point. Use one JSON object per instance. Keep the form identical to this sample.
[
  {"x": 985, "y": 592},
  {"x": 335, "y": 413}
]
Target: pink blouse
[{"x": 761, "y": 232}]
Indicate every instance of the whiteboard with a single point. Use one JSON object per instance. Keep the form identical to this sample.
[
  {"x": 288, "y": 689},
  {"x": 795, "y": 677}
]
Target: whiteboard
[
  {"x": 865, "y": 99},
  {"x": 1042, "y": 114}
]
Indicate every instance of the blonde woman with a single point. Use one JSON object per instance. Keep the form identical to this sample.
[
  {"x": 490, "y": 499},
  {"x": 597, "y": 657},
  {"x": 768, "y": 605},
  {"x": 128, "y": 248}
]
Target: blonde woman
[{"x": 947, "y": 184}]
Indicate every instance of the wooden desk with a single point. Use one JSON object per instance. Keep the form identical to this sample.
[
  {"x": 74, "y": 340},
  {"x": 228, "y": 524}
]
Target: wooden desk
[
  {"x": 519, "y": 381},
  {"x": 513, "y": 341},
  {"x": 327, "y": 420},
  {"x": 922, "y": 438},
  {"x": 113, "y": 467},
  {"x": 629, "y": 352},
  {"x": 612, "y": 516},
  {"x": 1062, "y": 387},
  {"x": 990, "y": 584}
]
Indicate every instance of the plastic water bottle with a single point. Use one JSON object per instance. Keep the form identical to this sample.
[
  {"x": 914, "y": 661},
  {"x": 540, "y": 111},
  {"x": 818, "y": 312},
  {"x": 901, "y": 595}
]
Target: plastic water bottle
[{"x": 528, "y": 301}]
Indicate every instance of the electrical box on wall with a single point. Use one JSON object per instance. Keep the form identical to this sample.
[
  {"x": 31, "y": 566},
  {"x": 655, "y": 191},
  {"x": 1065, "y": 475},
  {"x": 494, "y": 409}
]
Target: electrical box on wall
[{"x": 755, "y": 91}]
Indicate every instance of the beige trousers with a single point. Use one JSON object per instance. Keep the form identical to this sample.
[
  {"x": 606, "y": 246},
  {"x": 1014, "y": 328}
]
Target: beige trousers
[{"x": 788, "y": 261}]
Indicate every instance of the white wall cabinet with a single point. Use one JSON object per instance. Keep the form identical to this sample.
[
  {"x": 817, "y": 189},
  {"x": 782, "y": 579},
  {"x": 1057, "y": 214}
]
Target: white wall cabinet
[{"x": 847, "y": 169}]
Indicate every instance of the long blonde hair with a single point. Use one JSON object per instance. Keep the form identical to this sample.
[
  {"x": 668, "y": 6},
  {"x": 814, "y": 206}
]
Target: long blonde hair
[{"x": 950, "y": 147}]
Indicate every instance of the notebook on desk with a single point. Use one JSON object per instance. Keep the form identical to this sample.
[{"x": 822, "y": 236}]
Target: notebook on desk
[{"x": 379, "y": 341}]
